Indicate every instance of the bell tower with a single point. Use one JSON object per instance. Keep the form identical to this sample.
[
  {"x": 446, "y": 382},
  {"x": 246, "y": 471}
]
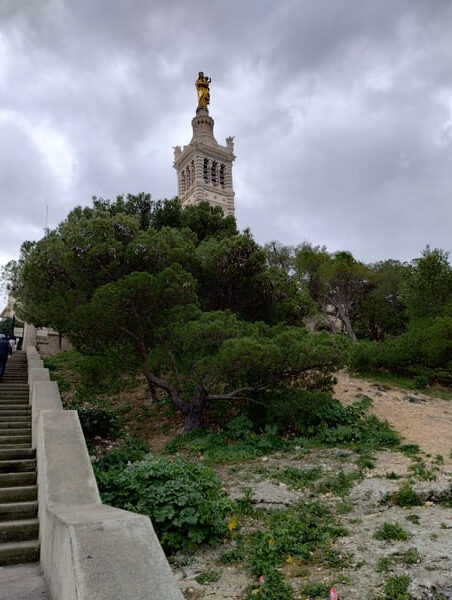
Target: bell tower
[{"x": 204, "y": 167}]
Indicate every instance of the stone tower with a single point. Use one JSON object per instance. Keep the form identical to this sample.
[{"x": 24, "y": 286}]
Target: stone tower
[{"x": 204, "y": 167}]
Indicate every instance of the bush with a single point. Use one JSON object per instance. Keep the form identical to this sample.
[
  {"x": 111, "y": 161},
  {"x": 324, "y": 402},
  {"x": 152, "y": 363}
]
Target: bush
[
  {"x": 184, "y": 500},
  {"x": 391, "y": 532},
  {"x": 99, "y": 373},
  {"x": 424, "y": 351},
  {"x": 406, "y": 496},
  {"x": 420, "y": 382},
  {"x": 98, "y": 421}
]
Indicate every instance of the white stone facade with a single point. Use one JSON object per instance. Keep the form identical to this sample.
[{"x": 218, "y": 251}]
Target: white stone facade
[{"x": 204, "y": 167}]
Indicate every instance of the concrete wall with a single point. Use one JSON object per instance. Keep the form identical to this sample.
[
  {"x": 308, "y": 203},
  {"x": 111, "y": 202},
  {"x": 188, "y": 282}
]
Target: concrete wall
[{"x": 89, "y": 551}]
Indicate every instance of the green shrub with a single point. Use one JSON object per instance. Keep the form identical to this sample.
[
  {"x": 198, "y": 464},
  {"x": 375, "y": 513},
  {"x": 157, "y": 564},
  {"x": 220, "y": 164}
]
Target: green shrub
[
  {"x": 315, "y": 590},
  {"x": 406, "y": 496},
  {"x": 98, "y": 421},
  {"x": 391, "y": 532},
  {"x": 271, "y": 587},
  {"x": 395, "y": 588},
  {"x": 420, "y": 382},
  {"x": 184, "y": 500},
  {"x": 98, "y": 373},
  {"x": 296, "y": 532}
]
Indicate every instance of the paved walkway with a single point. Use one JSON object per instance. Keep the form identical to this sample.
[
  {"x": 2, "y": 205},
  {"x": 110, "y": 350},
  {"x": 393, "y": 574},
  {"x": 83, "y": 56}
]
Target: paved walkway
[{"x": 23, "y": 582}]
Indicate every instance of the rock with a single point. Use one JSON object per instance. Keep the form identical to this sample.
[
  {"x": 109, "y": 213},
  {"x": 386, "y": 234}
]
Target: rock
[
  {"x": 371, "y": 491},
  {"x": 413, "y": 399},
  {"x": 427, "y": 590},
  {"x": 273, "y": 495}
]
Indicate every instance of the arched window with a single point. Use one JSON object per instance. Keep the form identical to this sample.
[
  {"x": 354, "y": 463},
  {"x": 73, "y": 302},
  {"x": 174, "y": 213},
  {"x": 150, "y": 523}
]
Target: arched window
[
  {"x": 213, "y": 173},
  {"x": 206, "y": 170},
  {"x": 222, "y": 176},
  {"x": 182, "y": 181},
  {"x": 193, "y": 176}
]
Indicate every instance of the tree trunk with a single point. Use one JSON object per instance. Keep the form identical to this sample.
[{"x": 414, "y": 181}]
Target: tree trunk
[
  {"x": 194, "y": 412},
  {"x": 343, "y": 316}
]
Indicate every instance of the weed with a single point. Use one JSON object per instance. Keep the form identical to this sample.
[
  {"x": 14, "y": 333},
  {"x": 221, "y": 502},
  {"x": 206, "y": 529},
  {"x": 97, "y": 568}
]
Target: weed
[
  {"x": 292, "y": 534},
  {"x": 395, "y": 588},
  {"x": 383, "y": 564},
  {"x": 411, "y": 557},
  {"x": 366, "y": 461},
  {"x": 420, "y": 382},
  {"x": 245, "y": 505},
  {"x": 406, "y": 496},
  {"x": 231, "y": 557},
  {"x": 391, "y": 532},
  {"x": 271, "y": 587},
  {"x": 393, "y": 475},
  {"x": 298, "y": 478},
  {"x": 421, "y": 471},
  {"x": 340, "y": 484},
  {"x": 439, "y": 459},
  {"x": 444, "y": 526},
  {"x": 410, "y": 449},
  {"x": 209, "y": 576},
  {"x": 315, "y": 590},
  {"x": 344, "y": 508},
  {"x": 414, "y": 519}
]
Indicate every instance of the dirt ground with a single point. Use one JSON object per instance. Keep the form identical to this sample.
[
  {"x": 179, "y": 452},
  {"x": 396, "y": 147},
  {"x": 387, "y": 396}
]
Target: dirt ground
[{"x": 420, "y": 420}]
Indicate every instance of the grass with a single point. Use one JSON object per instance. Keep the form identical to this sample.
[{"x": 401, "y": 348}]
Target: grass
[
  {"x": 294, "y": 477},
  {"x": 395, "y": 588}
]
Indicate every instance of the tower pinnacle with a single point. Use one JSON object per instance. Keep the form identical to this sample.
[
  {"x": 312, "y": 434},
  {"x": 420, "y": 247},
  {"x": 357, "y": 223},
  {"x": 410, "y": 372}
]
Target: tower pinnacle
[{"x": 204, "y": 167}]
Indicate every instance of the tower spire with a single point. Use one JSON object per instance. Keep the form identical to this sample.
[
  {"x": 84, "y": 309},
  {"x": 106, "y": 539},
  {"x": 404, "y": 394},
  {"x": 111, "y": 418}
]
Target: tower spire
[{"x": 204, "y": 167}]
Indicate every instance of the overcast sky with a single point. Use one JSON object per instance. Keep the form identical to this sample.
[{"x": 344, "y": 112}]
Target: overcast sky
[{"x": 341, "y": 112}]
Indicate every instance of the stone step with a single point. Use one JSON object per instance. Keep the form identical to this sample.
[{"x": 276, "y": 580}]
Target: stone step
[
  {"x": 15, "y": 446},
  {"x": 12, "y": 511},
  {"x": 12, "y": 440},
  {"x": 17, "y": 422},
  {"x": 14, "y": 553},
  {"x": 18, "y": 531},
  {"x": 13, "y": 400},
  {"x": 21, "y": 465},
  {"x": 16, "y": 413},
  {"x": 14, "y": 432},
  {"x": 17, "y": 454},
  {"x": 27, "y": 493},
  {"x": 8, "y": 480}
]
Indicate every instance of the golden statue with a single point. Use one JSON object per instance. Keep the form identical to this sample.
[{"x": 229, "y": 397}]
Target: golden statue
[{"x": 202, "y": 87}]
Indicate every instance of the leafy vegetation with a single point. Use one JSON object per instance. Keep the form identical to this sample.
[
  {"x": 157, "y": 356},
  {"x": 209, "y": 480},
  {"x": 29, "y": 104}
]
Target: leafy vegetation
[
  {"x": 391, "y": 532},
  {"x": 184, "y": 500}
]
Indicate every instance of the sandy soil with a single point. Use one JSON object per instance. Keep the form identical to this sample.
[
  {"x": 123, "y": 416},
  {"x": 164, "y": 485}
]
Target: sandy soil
[{"x": 418, "y": 418}]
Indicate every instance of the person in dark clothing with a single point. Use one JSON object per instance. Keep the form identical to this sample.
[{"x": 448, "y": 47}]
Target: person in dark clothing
[{"x": 5, "y": 351}]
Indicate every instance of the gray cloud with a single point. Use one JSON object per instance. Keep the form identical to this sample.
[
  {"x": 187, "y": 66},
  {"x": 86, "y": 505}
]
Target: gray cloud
[{"x": 342, "y": 113}]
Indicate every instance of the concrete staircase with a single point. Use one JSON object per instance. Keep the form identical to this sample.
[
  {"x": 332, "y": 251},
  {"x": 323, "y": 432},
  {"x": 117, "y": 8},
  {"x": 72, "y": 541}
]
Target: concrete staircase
[{"x": 18, "y": 490}]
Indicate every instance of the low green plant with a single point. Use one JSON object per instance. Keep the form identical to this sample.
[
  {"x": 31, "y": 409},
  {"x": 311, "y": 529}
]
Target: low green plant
[
  {"x": 339, "y": 484},
  {"x": 420, "y": 382},
  {"x": 411, "y": 557},
  {"x": 184, "y": 500},
  {"x": 98, "y": 421},
  {"x": 270, "y": 587},
  {"x": 439, "y": 459},
  {"x": 391, "y": 532},
  {"x": 396, "y": 588},
  {"x": 392, "y": 475},
  {"x": 295, "y": 533},
  {"x": 209, "y": 576},
  {"x": 296, "y": 478},
  {"x": 383, "y": 564},
  {"x": 422, "y": 472},
  {"x": 414, "y": 519},
  {"x": 410, "y": 449},
  {"x": 406, "y": 496},
  {"x": 315, "y": 590}
]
